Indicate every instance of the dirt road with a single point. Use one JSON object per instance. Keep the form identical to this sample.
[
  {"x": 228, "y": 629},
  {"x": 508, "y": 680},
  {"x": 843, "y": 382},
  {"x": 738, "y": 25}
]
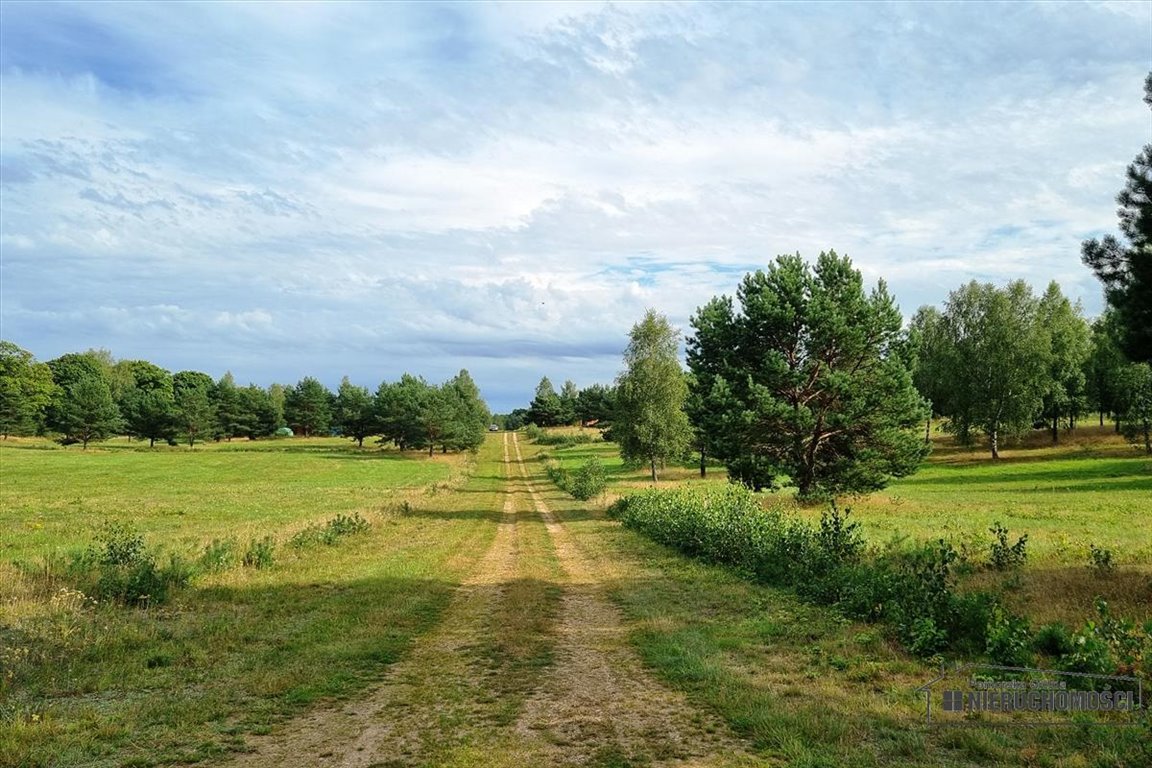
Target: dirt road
[{"x": 529, "y": 665}]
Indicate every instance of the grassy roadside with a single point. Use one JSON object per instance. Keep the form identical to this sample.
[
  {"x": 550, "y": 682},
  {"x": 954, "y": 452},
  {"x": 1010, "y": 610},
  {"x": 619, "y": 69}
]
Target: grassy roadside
[
  {"x": 243, "y": 648},
  {"x": 807, "y": 687},
  {"x": 1093, "y": 490},
  {"x": 54, "y": 498}
]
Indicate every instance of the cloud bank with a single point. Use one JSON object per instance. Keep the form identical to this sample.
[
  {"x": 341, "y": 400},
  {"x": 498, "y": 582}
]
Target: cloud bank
[{"x": 361, "y": 189}]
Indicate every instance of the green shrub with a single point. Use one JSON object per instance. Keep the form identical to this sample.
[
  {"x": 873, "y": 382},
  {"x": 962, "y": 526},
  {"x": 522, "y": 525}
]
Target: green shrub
[
  {"x": 559, "y": 439},
  {"x": 588, "y": 481},
  {"x": 1101, "y": 560},
  {"x": 119, "y": 569},
  {"x": 330, "y": 532},
  {"x": 913, "y": 590},
  {"x": 556, "y": 473},
  {"x": 1005, "y": 557},
  {"x": 1008, "y": 639},
  {"x": 1053, "y": 640},
  {"x": 259, "y": 553},
  {"x": 218, "y": 555}
]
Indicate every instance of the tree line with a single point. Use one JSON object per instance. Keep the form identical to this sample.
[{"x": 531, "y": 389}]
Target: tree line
[
  {"x": 89, "y": 396},
  {"x": 807, "y": 377}
]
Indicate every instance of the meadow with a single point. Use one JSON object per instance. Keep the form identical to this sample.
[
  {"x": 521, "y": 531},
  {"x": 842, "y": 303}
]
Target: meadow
[
  {"x": 1092, "y": 489},
  {"x": 809, "y": 687},
  {"x": 85, "y": 683},
  {"x": 471, "y": 615}
]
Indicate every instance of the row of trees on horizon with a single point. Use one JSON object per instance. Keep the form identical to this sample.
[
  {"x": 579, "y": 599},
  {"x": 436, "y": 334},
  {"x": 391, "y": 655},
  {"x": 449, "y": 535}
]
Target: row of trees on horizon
[
  {"x": 803, "y": 375},
  {"x": 90, "y": 396}
]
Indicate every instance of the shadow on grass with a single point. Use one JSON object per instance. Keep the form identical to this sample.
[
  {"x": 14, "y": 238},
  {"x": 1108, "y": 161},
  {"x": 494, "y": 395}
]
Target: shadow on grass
[{"x": 1079, "y": 475}]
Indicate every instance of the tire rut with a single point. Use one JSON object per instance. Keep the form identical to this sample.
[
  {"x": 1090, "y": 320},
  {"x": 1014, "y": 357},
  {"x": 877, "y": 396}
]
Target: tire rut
[
  {"x": 430, "y": 699},
  {"x": 598, "y": 703}
]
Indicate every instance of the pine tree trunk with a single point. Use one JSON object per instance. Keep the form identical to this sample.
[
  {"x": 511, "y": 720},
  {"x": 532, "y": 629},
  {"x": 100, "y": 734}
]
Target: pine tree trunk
[
  {"x": 703, "y": 466},
  {"x": 653, "y": 465},
  {"x": 927, "y": 430},
  {"x": 1101, "y": 418},
  {"x": 1055, "y": 427}
]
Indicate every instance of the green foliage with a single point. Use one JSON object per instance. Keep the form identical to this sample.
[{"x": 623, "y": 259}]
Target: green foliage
[
  {"x": 596, "y": 403},
  {"x": 546, "y": 408},
  {"x": 1070, "y": 346},
  {"x": 467, "y": 413},
  {"x": 195, "y": 415},
  {"x": 1003, "y": 556},
  {"x": 1125, "y": 269},
  {"x": 1008, "y": 639},
  {"x": 217, "y": 555},
  {"x": 807, "y": 380},
  {"x": 260, "y": 553},
  {"x": 331, "y": 532},
  {"x": 398, "y": 407},
  {"x": 120, "y": 569},
  {"x": 1101, "y": 560},
  {"x": 650, "y": 424},
  {"x": 354, "y": 413},
  {"x": 308, "y": 407},
  {"x": 1053, "y": 640},
  {"x": 1104, "y": 365},
  {"x": 1135, "y": 401},
  {"x": 558, "y": 439},
  {"x": 26, "y": 389},
  {"x": 995, "y": 355},
  {"x": 913, "y": 591},
  {"x": 84, "y": 410},
  {"x": 588, "y": 481}
]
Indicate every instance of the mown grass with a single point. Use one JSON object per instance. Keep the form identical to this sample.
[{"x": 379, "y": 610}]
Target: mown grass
[
  {"x": 53, "y": 497},
  {"x": 242, "y": 648},
  {"x": 1091, "y": 489},
  {"x": 805, "y": 686}
]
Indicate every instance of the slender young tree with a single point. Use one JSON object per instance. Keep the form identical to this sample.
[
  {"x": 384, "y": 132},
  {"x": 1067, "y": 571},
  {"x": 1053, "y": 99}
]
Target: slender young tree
[
  {"x": 998, "y": 355},
  {"x": 195, "y": 417},
  {"x": 1103, "y": 367},
  {"x": 1070, "y": 344},
  {"x": 1136, "y": 395},
  {"x": 651, "y": 425}
]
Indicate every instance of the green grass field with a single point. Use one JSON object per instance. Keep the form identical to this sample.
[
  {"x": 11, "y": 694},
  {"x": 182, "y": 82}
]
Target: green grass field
[
  {"x": 241, "y": 651},
  {"x": 806, "y": 686},
  {"x": 1092, "y": 489},
  {"x": 241, "y": 648},
  {"x": 55, "y": 497}
]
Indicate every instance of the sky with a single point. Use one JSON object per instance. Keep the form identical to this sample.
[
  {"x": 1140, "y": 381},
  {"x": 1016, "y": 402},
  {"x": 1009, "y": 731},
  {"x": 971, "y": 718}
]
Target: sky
[{"x": 330, "y": 189}]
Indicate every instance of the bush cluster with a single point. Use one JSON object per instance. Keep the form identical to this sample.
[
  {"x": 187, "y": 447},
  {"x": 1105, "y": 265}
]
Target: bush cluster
[
  {"x": 911, "y": 590},
  {"x": 118, "y": 568},
  {"x": 330, "y": 532},
  {"x": 587, "y": 482}
]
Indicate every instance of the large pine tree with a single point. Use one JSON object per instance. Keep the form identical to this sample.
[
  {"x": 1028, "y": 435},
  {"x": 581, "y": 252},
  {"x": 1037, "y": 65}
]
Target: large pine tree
[{"x": 807, "y": 380}]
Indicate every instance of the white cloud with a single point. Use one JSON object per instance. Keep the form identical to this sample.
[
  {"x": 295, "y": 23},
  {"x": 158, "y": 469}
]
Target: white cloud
[{"x": 414, "y": 186}]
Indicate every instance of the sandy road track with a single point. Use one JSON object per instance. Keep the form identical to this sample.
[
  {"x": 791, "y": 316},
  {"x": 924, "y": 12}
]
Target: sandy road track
[{"x": 595, "y": 703}]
